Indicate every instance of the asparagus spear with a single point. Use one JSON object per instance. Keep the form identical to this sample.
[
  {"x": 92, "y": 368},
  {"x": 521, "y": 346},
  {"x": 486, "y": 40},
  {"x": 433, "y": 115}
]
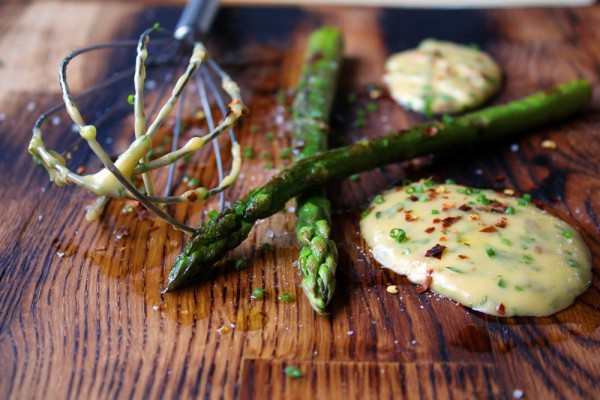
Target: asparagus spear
[
  {"x": 310, "y": 113},
  {"x": 212, "y": 241}
]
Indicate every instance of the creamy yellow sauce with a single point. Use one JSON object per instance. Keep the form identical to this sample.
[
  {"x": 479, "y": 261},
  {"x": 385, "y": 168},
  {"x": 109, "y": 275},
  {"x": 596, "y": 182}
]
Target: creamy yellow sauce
[
  {"x": 441, "y": 77},
  {"x": 494, "y": 253}
]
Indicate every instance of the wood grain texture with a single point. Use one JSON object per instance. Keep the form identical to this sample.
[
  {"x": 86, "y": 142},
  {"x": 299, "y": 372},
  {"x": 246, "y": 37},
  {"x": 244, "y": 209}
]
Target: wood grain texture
[{"x": 81, "y": 314}]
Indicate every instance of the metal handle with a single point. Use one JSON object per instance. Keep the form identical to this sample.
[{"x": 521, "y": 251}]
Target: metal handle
[{"x": 196, "y": 19}]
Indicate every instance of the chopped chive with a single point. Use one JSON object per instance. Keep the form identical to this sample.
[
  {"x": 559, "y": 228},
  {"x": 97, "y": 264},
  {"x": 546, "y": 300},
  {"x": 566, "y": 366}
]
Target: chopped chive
[
  {"x": 240, "y": 264},
  {"x": 527, "y": 197},
  {"x": 501, "y": 283},
  {"x": 156, "y": 25},
  {"x": 131, "y": 99},
  {"x": 212, "y": 214},
  {"x": 454, "y": 269},
  {"x": 406, "y": 182},
  {"x": 510, "y": 210},
  {"x": 483, "y": 199},
  {"x": 293, "y": 372},
  {"x": 355, "y": 177},
  {"x": 429, "y": 183},
  {"x": 423, "y": 199},
  {"x": 399, "y": 235},
  {"x": 568, "y": 234},
  {"x": 258, "y": 293},
  {"x": 490, "y": 252},
  {"x": 378, "y": 199},
  {"x": 527, "y": 259},
  {"x": 572, "y": 263},
  {"x": 365, "y": 213},
  {"x": 286, "y": 297},
  {"x": 519, "y": 288},
  {"x": 506, "y": 241},
  {"x": 248, "y": 152},
  {"x": 378, "y": 215},
  {"x": 372, "y": 107},
  {"x": 193, "y": 182},
  {"x": 434, "y": 212},
  {"x": 410, "y": 190}
]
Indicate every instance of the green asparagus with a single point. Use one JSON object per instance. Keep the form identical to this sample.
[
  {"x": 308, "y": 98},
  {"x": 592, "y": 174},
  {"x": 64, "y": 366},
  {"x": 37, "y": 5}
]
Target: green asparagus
[
  {"x": 310, "y": 113},
  {"x": 212, "y": 241}
]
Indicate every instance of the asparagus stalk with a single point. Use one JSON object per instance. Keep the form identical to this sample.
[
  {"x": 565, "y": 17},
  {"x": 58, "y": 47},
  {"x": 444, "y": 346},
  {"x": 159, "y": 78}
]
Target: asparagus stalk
[
  {"x": 310, "y": 113},
  {"x": 211, "y": 242}
]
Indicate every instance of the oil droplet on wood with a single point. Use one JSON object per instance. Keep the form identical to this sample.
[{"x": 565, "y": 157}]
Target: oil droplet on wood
[
  {"x": 250, "y": 319},
  {"x": 473, "y": 338}
]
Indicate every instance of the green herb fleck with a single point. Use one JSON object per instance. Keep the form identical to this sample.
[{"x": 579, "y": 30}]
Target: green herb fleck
[
  {"x": 474, "y": 46},
  {"x": 365, "y": 213},
  {"x": 127, "y": 209},
  {"x": 378, "y": 215},
  {"x": 447, "y": 119},
  {"x": 399, "y": 235},
  {"x": 258, "y": 293},
  {"x": 212, "y": 214},
  {"x": 156, "y": 25},
  {"x": 266, "y": 247},
  {"x": 429, "y": 183},
  {"x": 131, "y": 99},
  {"x": 293, "y": 372},
  {"x": 187, "y": 159},
  {"x": 568, "y": 234},
  {"x": 286, "y": 297},
  {"x": 240, "y": 264},
  {"x": 434, "y": 212},
  {"x": 378, "y": 199},
  {"x": 483, "y": 199},
  {"x": 269, "y": 136},
  {"x": 519, "y": 288},
  {"x": 355, "y": 177},
  {"x": 490, "y": 252},
  {"x": 510, "y": 210},
  {"x": 527, "y": 259},
  {"x": 501, "y": 283},
  {"x": 372, "y": 107},
  {"x": 193, "y": 182},
  {"x": 428, "y": 106},
  {"x": 572, "y": 263},
  {"x": 506, "y": 241},
  {"x": 248, "y": 152},
  {"x": 454, "y": 269}
]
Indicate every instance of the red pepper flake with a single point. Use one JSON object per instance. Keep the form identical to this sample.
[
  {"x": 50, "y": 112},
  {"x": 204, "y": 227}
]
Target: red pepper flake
[
  {"x": 436, "y": 220},
  {"x": 538, "y": 249},
  {"x": 234, "y": 102},
  {"x": 501, "y": 223},
  {"x": 80, "y": 170},
  {"x": 462, "y": 256},
  {"x": 465, "y": 207},
  {"x": 501, "y": 309},
  {"x": 430, "y": 229},
  {"x": 425, "y": 286},
  {"x": 443, "y": 239},
  {"x": 447, "y": 222},
  {"x": 100, "y": 248},
  {"x": 436, "y": 251},
  {"x": 489, "y": 229},
  {"x": 316, "y": 57},
  {"x": 449, "y": 205},
  {"x": 431, "y": 131},
  {"x": 413, "y": 197}
]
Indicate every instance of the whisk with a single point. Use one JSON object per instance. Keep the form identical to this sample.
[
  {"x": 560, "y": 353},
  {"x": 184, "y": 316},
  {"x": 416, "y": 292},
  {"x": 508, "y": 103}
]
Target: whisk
[{"x": 118, "y": 179}]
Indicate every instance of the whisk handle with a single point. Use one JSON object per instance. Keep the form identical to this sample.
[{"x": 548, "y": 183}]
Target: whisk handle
[{"x": 196, "y": 19}]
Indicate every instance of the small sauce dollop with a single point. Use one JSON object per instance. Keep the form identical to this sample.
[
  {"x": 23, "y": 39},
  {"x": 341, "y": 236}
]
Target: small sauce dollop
[
  {"x": 488, "y": 251},
  {"x": 442, "y": 77}
]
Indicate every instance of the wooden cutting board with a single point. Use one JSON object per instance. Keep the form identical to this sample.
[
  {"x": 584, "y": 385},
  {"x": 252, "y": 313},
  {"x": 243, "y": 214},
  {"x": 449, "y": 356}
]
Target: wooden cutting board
[{"x": 81, "y": 314}]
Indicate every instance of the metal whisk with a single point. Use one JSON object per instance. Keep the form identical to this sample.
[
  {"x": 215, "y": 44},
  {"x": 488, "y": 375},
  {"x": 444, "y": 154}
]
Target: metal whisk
[{"x": 118, "y": 179}]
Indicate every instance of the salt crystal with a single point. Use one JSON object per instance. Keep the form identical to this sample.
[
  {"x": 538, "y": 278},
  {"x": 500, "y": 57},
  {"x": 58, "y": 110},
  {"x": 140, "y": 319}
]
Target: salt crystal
[
  {"x": 350, "y": 332},
  {"x": 514, "y": 148},
  {"x": 155, "y": 308},
  {"x": 150, "y": 84},
  {"x": 2, "y": 117},
  {"x": 478, "y": 171},
  {"x": 517, "y": 394},
  {"x": 55, "y": 120},
  {"x": 30, "y": 106}
]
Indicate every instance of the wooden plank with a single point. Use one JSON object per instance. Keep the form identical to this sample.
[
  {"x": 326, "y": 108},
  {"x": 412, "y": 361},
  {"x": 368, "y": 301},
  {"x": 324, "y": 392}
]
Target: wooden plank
[
  {"x": 81, "y": 314},
  {"x": 369, "y": 380}
]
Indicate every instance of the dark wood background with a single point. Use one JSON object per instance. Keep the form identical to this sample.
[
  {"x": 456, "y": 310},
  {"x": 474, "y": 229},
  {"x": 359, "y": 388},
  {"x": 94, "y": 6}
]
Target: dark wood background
[{"x": 81, "y": 314}]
